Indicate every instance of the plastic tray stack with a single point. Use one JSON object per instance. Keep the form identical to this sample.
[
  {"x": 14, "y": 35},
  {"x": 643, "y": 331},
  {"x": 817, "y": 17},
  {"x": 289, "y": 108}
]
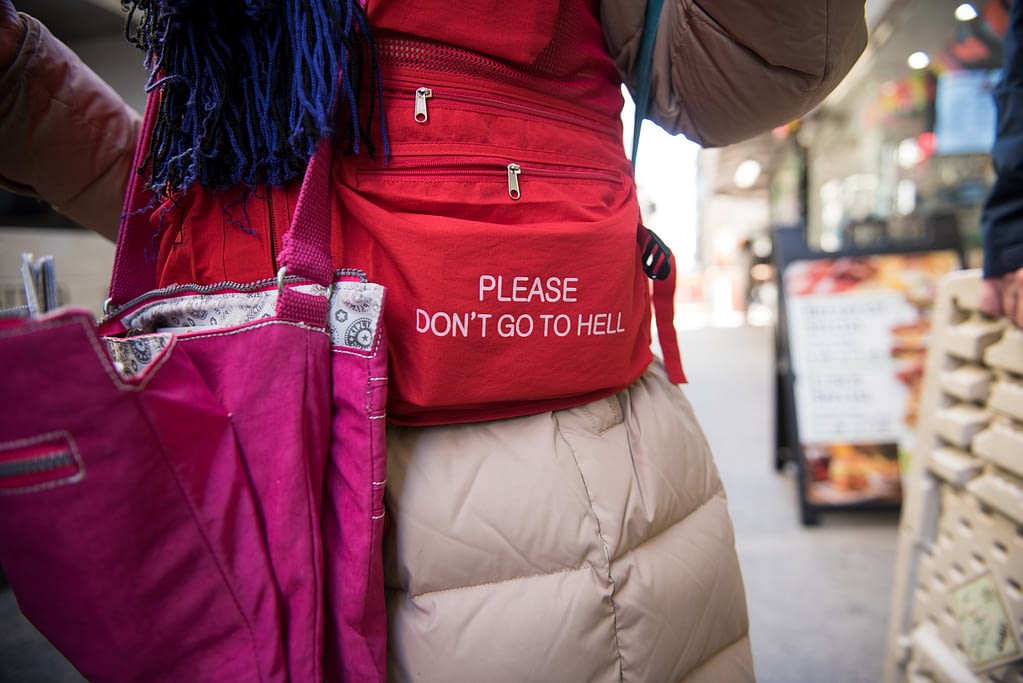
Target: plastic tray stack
[{"x": 957, "y": 611}]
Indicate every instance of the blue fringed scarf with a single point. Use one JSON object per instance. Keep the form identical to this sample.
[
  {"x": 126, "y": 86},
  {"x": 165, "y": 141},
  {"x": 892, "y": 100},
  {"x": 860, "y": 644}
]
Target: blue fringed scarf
[{"x": 248, "y": 87}]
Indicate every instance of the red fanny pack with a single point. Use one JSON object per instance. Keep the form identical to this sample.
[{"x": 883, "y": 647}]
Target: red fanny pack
[
  {"x": 514, "y": 269},
  {"x": 515, "y": 276}
]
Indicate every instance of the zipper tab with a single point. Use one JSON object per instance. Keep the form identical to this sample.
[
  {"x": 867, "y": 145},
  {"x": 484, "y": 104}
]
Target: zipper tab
[
  {"x": 513, "y": 180},
  {"x": 422, "y": 94}
]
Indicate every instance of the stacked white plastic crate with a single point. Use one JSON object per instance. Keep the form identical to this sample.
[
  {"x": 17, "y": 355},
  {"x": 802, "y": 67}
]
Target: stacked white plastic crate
[{"x": 957, "y": 611}]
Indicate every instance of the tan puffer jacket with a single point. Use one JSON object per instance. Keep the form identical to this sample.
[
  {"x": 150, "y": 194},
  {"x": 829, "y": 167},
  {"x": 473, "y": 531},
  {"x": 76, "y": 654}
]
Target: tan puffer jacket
[{"x": 585, "y": 545}]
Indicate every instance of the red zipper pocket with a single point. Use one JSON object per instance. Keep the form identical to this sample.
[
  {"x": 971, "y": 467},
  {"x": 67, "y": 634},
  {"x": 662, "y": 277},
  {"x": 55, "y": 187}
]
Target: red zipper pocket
[
  {"x": 39, "y": 463},
  {"x": 515, "y": 176},
  {"x": 423, "y": 98}
]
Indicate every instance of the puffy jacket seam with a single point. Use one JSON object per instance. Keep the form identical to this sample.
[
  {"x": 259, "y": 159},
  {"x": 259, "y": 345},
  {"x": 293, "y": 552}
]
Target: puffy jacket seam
[
  {"x": 827, "y": 45},
  {"x": 522, "y": 577},
  {"x": 708, "y": 19},
  {"x": 28, "y": 55},
  {"x": 99, "y": 178},
  {"x": 684, "y": 32},
  {"x": 102, "y": 132},
  {"x": 719, "y": 491},
  {"x": 27, "y": 27},
  {"x": 604, "y": 544},
  {"x": 717, "y": 653}
]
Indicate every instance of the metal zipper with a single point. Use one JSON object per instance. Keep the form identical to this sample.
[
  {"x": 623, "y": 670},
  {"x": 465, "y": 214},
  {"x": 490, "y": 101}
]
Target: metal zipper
[
  {"x": 424, "y": 93},
  {"x": 514, "y": 170}
]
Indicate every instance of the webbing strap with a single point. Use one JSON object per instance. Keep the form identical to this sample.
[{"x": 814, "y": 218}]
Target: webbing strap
[
  {"x": 658, "y": 261},
  {"x": 659, "y": 266},
  {"x": 664, "y": 313},
  {"x": 306, "y": 251},
  {"x": 644, "y": 67}
]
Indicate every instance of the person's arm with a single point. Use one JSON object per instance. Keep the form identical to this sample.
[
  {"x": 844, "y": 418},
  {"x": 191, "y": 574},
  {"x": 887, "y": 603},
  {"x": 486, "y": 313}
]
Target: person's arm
[
  {"x": 1002, "y": 218},
  {"x": 727, "y": 70},
  {"x": 67, "y": 137},
  {"x": 12, "y": 32}
]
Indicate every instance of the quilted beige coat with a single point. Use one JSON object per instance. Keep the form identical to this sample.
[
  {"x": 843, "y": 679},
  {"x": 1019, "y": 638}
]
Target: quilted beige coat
[{"x": 585, "y": 545}]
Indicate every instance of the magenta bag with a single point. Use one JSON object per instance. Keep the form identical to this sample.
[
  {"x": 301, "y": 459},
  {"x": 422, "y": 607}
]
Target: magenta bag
[{"x": 193, "y": 491}]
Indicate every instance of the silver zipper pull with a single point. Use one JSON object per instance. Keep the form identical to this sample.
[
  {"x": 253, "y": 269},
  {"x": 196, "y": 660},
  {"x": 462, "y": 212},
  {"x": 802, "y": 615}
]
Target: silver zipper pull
[
  {"x": 513, "y": 180},
  {"x": 422, "y": 94}
]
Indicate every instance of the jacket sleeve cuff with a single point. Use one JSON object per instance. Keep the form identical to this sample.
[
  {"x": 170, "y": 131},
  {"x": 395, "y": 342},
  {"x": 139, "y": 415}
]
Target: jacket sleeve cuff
[{"x": 1000, "y": 260}]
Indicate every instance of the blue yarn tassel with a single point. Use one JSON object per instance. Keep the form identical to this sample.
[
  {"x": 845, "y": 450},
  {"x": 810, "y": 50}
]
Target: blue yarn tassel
[{"x": 248, "y": 87}]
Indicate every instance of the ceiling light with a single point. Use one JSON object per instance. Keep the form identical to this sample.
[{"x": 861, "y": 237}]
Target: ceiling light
[
  {"x": 966, "y": 12},
  {"x": 918, "y": 60},
  {"x": 746, "y": 174}
]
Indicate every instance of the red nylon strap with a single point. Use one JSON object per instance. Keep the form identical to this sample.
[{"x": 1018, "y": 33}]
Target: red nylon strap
[
  {"x": 306, "y": 251},
  {"x": 309, "y": 309},
  {"x": 664, "y": 313}
]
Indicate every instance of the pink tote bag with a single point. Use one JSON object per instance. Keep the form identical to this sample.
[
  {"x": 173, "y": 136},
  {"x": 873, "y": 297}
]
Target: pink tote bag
[{"x": 192, "y": 490}]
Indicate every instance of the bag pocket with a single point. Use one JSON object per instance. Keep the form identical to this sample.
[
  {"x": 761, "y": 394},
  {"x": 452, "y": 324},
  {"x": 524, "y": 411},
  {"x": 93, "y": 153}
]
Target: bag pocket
[
  {"x": 510, "y": 282},
  {"x": 489, "y": 188},
  {"x": 39, "y": 463}
]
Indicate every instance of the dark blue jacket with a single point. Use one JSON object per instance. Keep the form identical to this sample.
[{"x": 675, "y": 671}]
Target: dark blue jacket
[{"x": 1002, "y": 217}]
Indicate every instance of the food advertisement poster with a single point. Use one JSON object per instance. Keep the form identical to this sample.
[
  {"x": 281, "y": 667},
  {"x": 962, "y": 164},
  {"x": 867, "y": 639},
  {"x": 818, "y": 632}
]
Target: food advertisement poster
[{"x": 858, "y": 330}]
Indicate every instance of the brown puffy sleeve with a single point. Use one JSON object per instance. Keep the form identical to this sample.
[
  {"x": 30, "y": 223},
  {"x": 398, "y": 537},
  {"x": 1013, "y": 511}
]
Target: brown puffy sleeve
[
  {"x": 727, "y": 70},
  {"x": 65, "y": 135}
]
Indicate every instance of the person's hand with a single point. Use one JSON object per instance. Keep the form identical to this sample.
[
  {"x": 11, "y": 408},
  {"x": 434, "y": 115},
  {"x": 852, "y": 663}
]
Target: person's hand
[
  {"x": 11, "y": 33},
  {"x": 1003, "y": 296}
]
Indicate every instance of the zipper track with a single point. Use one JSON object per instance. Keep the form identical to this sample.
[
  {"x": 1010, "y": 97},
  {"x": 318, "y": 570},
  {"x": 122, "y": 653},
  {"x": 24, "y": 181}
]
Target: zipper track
[
  {"x": 174, "y": 290},
  {"x": 487, "y": 169},
  {"x": 271, "y": 227},
  {"x": 402, "y": 89},
  {"x": 488, "y": 166},
  {"x": 234, "y": 287}
]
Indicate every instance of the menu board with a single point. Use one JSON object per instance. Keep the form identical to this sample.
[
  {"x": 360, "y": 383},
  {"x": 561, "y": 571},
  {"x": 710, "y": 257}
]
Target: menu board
[
  {"x": 965, "y": 112},
  {"x": 858, "y": 330}
]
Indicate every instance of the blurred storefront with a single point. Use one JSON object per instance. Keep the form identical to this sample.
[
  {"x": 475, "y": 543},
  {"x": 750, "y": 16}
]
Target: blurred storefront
[
  {"x": 837, "y": 227},
  {"x": 899, "y": 152}
]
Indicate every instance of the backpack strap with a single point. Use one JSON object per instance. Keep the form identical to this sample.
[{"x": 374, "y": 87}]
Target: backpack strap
[
  {"x": 658, "y": 261},
  {"x": 644, "y": 67}
]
